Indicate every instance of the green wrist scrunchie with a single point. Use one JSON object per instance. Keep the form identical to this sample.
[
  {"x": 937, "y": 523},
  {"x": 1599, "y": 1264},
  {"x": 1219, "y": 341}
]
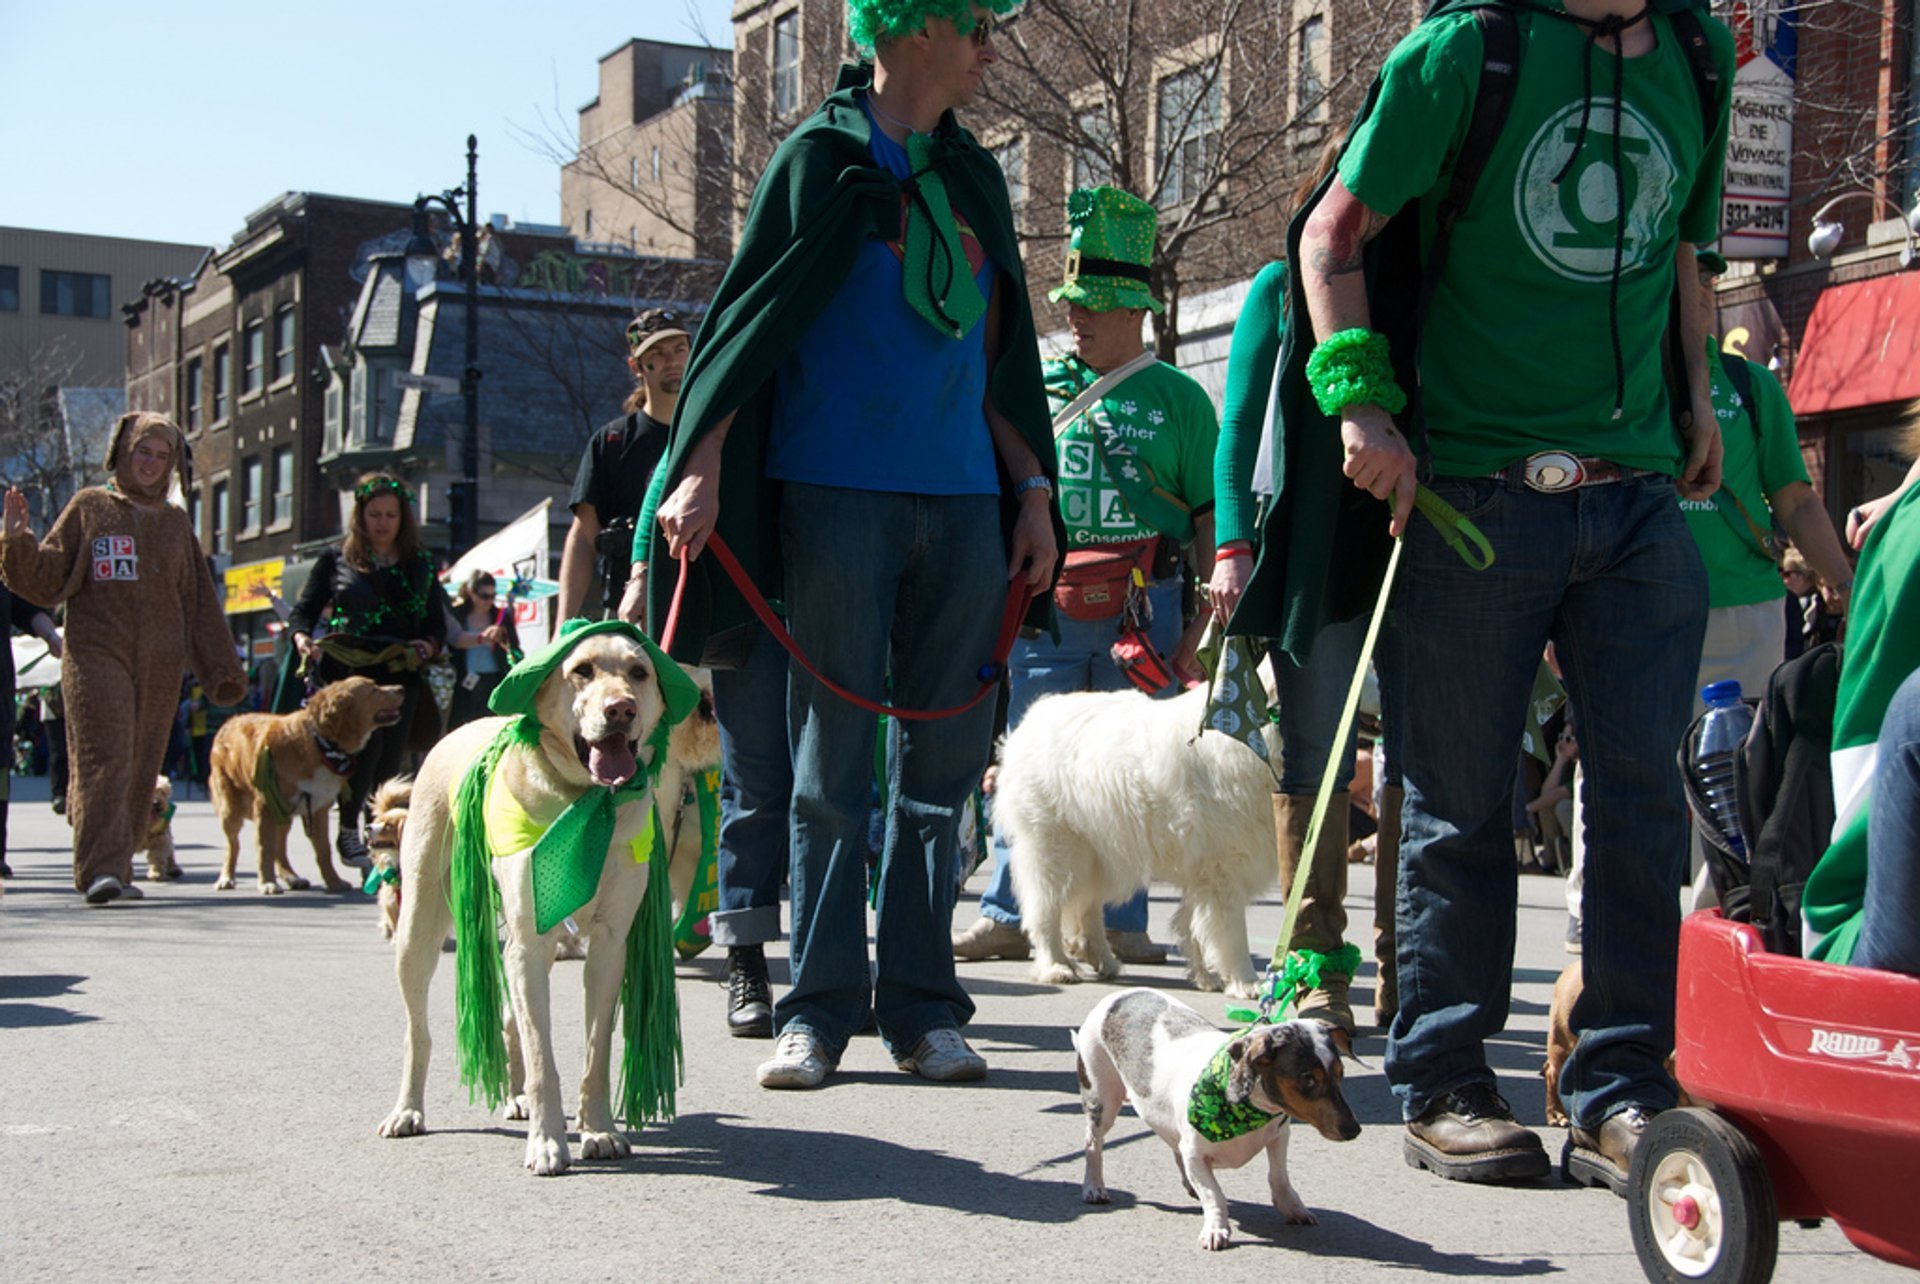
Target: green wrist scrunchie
[{"x": 1354, "y": 368}]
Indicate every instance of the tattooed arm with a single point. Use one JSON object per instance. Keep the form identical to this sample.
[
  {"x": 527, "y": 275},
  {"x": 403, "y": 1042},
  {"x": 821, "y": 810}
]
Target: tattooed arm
[{"x": 1378, "y": 459}]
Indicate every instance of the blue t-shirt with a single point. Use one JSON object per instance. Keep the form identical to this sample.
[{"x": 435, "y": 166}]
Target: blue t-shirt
[{"x": 873, "y": 397}]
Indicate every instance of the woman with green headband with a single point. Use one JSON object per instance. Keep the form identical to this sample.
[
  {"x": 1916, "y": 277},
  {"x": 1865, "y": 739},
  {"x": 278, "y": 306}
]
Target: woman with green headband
[{"x": 384, "y": 615}]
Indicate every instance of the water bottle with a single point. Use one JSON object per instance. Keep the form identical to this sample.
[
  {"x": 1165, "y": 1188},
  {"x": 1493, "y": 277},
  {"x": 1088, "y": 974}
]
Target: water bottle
[{"x": 1722, "y": 734}]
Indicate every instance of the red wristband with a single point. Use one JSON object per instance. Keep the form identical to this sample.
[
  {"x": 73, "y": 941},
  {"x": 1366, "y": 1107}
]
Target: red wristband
[{"x": 1222, "y": 554}]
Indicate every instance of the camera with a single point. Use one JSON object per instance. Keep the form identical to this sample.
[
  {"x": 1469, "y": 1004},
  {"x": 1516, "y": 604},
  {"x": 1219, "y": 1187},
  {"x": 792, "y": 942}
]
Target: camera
[{"x": 614, "y": 543}]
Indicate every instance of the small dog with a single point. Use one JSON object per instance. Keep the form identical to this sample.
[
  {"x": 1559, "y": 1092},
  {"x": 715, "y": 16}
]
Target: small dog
[
  {"x": 387, "y": 822},
  {"x": 1560, "y": 1041},
  {"x": 1160, "y": 1053},
  {"x": 307, "y": 756},
  {"x": 1100, "y": 793},
  {"x": 156, "y": 840}
]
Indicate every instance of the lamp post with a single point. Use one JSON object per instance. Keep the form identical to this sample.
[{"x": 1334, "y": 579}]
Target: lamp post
[
  {"x": 1826, "y": 236},
  {"x": 423, "y": 264}
]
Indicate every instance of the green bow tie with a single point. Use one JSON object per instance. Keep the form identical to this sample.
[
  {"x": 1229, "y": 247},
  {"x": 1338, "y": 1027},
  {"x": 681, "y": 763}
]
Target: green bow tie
[{"x": 938, "y": 283}]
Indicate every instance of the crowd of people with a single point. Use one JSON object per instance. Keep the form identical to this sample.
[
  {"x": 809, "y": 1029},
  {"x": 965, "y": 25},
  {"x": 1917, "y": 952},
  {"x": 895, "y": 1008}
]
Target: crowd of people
[{"x": 864, "y": 422}]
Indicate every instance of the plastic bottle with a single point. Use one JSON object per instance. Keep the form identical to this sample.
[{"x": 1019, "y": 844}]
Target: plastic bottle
[{"x": 1722, "y": 734}]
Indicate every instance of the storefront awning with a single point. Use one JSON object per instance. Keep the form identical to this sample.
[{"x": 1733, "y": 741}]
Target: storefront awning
[{"x": 1862, "y": 346}]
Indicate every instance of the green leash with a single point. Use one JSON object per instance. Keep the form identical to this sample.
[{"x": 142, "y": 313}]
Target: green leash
[{"x": 1291, "y": 969}]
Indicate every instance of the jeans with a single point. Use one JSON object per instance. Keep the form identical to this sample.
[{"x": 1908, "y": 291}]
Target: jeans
[
  {"x": 1311, "y": 699},
  {"x": 1083, "y": 661},
  {"x": 1890, "y": 924},
  {"x": 1609, "y": 574},
  {"x": 881, "y": 585},
  {"x": 756, "y": 780}
]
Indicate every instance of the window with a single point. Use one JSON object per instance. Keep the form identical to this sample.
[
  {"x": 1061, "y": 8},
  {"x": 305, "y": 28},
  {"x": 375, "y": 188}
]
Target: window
[
  {"x": 283, "y": 485},
  {"x": 251, "y": 477},
  {"x": 655, "y": 169},
  {"x": 1093, "y": 159},
  {"x": 283, "y": 343},
  {"x": 589, "y": 231},
  {"x": 253, "y": 374},
  {"x": 191, "y": 397},
  {"x": 633, "y": 171},
  {"x": 222, "y": 538},
  {"x": 196, "y": 510},
  {"x": 786, "y": 63},
  {"x": 222, "y": 382},
  {"x": 75, "y": 294},
  {"x": 9, "y": 289},
  {"x": 1311, "y": 68},
  {"x": 1012, "y": 158},
  {"x": 1188, "y": 129}
]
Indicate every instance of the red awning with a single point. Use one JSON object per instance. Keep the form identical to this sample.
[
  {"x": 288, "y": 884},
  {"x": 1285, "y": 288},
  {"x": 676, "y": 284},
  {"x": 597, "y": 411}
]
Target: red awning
[{"x": 1862, "y": 346}]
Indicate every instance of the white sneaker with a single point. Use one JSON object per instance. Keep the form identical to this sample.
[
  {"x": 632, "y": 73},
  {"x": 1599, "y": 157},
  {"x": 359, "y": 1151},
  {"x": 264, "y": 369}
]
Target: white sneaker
[
  {"x": 799, "y": 1061},
  {"x": 104, "y": 889},
  {"x": 131, "y": 892},
  {"x": 944, "y": 1057}
]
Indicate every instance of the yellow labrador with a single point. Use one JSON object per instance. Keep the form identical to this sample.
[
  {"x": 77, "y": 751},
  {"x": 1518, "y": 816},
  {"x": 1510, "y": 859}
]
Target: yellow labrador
[{"x": 597, "y": 709}]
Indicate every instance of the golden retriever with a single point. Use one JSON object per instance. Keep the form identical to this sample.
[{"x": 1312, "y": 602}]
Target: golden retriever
[
  {"x": 386, "y": 823},
  {"x": 596, "y": 710},
  {"x": 304, "y": 751},
  {"x": 156, "y": 840}
]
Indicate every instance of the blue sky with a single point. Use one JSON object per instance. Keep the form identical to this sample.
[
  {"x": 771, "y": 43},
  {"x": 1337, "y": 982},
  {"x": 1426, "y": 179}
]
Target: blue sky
[{"x": 172, "y": 122}]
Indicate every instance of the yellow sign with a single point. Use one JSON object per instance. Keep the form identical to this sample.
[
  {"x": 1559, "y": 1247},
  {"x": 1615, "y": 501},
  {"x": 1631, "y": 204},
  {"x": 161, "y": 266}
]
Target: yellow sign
[{"x": 253, "y": 586}]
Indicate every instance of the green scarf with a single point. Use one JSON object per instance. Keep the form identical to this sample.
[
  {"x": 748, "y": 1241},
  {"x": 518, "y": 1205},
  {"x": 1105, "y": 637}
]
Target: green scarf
[
  {"x": 652, "y": 1060},
  {"x": 1211, "y": 1114},
  {"x": 947, "y": 295}
]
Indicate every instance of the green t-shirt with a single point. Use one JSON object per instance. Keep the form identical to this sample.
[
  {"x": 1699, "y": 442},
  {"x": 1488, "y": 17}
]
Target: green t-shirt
[
  {"x": 1516, "y": 355},
  {"x": 1163, "y": 419},
  {"x": 1739, "y": 571}
]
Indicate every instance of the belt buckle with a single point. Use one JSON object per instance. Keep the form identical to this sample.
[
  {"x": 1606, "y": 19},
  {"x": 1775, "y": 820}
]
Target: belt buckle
[{"x": 1552, "y": 471}]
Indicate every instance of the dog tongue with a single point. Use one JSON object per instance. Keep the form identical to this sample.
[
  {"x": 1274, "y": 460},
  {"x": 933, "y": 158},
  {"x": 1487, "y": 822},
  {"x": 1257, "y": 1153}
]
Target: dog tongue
[{"x": 610, "y": 761}]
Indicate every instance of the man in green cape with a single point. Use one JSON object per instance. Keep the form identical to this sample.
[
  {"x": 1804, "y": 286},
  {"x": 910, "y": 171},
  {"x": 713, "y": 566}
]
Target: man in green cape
[{"x": 863, "y": 423}]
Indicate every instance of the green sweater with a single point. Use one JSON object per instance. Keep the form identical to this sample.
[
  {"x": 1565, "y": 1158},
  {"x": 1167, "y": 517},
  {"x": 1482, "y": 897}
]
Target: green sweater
[
  {"x": 821, "y": 197},
  {"x": 1251, "y": 361}
]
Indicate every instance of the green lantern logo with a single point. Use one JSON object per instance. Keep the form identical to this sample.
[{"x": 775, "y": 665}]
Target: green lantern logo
[{"x": 1571, "y": 225}]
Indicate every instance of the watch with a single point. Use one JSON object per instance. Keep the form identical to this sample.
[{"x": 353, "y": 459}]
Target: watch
[{"x": 1036, "y": 482}]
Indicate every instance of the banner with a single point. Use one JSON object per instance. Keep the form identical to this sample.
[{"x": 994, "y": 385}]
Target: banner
[
  {"x": 253, "y": 587},
  {"x": 517, "y": 556},
  {"x": 1759, "y": 174}
]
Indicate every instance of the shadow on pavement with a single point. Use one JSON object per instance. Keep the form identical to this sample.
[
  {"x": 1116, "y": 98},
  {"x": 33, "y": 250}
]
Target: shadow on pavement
[
  {"x": 20, "y": 1016},
  {"x": 1343, "y": 1236}
]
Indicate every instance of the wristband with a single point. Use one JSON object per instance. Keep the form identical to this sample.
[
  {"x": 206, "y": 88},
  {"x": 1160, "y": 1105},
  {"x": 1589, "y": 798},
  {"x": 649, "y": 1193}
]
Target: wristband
[
  {"x": 1036, "y": 482},
  {"x": 1221, "y": 554},
  {"x": 1354, "y": 368}
]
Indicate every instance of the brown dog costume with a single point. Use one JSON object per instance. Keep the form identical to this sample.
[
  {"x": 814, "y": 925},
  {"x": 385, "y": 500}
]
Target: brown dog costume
[{"x": 141, "y": 609}]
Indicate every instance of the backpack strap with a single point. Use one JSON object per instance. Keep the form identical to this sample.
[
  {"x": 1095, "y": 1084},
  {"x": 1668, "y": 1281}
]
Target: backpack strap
[{"x": 1706, "y": 72}]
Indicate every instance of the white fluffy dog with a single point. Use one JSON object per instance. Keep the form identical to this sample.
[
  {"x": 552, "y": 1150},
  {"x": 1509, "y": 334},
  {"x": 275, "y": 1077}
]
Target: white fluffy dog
[{"x": 1100, "y": 793}]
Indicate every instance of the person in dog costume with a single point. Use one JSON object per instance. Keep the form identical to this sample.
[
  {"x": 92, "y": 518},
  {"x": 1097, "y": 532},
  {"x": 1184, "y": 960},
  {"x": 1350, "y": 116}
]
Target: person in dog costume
[
  {"x": 141, "y": 608},
  {"x": 892, "y": 513},
  {"x": 1136, "y": 479}
]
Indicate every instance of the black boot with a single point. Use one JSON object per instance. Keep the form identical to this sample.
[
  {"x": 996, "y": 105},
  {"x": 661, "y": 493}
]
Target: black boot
[
  {"x": 351, "y": 847},
  {"x": 749, "y": 995}
]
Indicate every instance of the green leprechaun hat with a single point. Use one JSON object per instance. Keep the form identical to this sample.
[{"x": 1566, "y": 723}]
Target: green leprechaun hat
[
  {"x": 516, "y": 692},
  {"x": 1112, "y": 245}
]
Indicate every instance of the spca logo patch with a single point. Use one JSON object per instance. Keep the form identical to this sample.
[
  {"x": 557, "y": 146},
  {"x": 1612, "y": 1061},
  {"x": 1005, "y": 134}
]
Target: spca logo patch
[{"x": 114, "y": 558}]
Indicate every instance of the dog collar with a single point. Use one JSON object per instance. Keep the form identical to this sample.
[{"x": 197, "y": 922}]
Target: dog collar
[
  {"x": 1212, "y": 1114},
  {"x": 338, "y": 760}
]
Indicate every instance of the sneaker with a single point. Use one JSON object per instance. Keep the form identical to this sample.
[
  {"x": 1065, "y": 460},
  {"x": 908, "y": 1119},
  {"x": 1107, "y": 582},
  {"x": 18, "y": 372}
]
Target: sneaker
[
  {"x": 799, "y": 1061},
  {"x": 1573, "y": 935},
  {"x": 104, "y": 889},
  {"x": 6, "y": 870},
  {"x": 131, "y": 892},
  {"x": 1604, "y": 1156},
  {"x": 1470, "y": 1134},
  {"x": 749, "y": 995},
  {"x": 989, "y": 938},
  {"x": 944, "y": 1057},
  {"x": 1135, "y": 947},
  {"x": 353, "y": 849}
]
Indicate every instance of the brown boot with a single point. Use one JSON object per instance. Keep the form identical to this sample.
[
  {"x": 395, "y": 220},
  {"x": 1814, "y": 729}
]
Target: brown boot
[
  {"x": 1322, "y": 923},
  {"x": 1386, "y": 891}
]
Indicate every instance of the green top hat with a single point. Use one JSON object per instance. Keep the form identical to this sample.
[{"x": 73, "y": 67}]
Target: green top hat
[{"x": 1112, "y": 245}]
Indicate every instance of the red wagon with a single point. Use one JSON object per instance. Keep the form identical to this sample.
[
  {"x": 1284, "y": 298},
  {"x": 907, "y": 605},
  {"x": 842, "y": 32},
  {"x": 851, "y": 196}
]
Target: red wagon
[{"x": 1807, "y": 1079}]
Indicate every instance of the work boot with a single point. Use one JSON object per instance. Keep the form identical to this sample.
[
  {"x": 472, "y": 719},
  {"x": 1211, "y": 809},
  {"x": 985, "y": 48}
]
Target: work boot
[
  {"x": 1322, "y": 922},
  {"x": 749, "y": 993},
  {"x": 1386, "y": 895},
  {"x": 1603, "y": 1156},
  {"x": 1470, "y": 1134},
  {"x": 1135, "y": 947},
  {"x": 989, "y": 938}
]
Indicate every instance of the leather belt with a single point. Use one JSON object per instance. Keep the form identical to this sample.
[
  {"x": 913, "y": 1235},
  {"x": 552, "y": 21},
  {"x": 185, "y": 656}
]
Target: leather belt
[{"x": 1553, "y": 471}]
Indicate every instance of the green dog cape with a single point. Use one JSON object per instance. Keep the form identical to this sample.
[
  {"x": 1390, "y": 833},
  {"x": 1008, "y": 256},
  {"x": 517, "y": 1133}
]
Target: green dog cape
[{"x": 567, "y": 861}]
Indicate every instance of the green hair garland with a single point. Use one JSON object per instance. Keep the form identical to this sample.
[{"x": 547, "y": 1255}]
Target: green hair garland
[
  {"x": 869, "y": 21},
  {"x": 1354, "y": 368}
]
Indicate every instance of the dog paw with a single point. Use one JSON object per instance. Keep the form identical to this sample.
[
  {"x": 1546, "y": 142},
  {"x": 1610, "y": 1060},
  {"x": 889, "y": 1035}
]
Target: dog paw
[
  {"x": 1107, "y": 970},
  {"x": 516, "y": 1107},
  {"x": 1247, "y": 989},
  {"x": 547, "y": 1156},
  {"x": 1093, "y": 1194},
  {"x": 299, "y": 884},
  {"x": 1056, "y": 974},
  {"x": 604, "y": 1145},
  {"x": 1296, "y": 1213},
  {"x": 268, "y": 888},
  {"x": 403, "y": 1122},
  {"x": 223, "y": 884},
  {"x": 1214, "y": 1237}
]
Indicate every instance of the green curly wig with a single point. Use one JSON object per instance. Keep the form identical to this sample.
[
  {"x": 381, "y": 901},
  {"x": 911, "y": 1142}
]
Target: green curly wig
[{"x": 871, "y": 20}]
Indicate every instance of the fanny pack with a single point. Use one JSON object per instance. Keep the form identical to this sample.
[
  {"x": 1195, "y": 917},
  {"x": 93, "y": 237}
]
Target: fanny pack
[{"x": 1095, "y": 583}]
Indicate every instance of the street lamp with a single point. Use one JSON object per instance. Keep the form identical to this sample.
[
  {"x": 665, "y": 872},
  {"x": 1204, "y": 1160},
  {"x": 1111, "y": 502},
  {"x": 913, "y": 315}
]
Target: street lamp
[
  {"x": 423, "y": 264},
  {"x": 1826, "y": 236}
]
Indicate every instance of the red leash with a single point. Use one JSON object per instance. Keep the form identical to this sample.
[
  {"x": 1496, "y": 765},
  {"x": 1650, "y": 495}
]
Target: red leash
[{"x": 1018, "y": 596}]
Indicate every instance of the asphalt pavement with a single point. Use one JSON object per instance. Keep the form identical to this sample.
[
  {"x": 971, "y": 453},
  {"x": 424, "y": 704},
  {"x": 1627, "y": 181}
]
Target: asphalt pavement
[{"x": 189, "y": 1088}]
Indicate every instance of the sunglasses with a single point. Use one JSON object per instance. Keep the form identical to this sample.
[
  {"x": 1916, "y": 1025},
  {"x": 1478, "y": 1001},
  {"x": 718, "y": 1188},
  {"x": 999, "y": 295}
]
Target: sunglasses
[
  {"x": 983, "y": 28},
  {"x": 483, "y": 597},
  {"x": 652, "y": 321}
]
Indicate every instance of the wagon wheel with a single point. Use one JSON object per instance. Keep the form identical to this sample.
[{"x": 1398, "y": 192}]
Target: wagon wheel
[{"x": 1700, "y": 1202}]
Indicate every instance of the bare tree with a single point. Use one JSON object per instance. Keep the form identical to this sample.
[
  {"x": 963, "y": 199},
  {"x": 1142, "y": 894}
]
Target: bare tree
[{"x": 37, "y": 450}]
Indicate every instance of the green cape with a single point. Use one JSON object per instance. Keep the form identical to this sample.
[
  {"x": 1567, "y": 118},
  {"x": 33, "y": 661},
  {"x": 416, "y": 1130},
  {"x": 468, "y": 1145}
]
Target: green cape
[{"x": 821, "y": 198}]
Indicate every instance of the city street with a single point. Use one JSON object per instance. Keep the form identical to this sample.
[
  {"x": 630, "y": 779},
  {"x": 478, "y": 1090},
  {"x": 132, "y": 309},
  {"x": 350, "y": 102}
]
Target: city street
[{"x": 192, "y": 1083}]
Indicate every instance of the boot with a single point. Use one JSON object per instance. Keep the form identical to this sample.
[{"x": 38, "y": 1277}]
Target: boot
[
  {"x": 1386, "y": 892},
  {"x": 1322, "y": 923}
]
